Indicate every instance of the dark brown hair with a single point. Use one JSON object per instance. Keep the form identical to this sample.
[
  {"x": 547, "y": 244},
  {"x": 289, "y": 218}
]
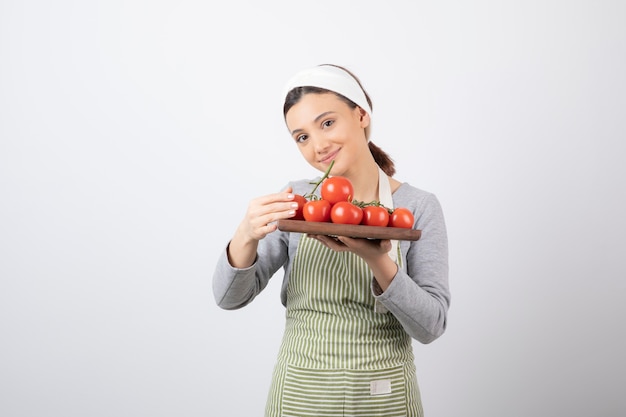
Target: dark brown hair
[{"x": 383, "y": 160}]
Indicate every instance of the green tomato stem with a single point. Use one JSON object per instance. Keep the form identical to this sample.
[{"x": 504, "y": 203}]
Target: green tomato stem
[
  {"x": 377, "y": 203},
  {"x": 311, "y": 195}
]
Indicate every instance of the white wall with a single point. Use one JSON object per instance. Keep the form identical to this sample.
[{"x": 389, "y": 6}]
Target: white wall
[{"x": 133, "y": 133}]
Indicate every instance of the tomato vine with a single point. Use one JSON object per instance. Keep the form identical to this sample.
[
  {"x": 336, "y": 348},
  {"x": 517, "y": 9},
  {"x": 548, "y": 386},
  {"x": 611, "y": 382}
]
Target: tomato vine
[{"x": 312, "y": 196}]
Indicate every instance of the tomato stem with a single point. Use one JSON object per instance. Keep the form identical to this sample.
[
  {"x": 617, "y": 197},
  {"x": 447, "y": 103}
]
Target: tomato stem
[
  {"x": 311, "y": 195},
  {"x": 371, "y": 203}
]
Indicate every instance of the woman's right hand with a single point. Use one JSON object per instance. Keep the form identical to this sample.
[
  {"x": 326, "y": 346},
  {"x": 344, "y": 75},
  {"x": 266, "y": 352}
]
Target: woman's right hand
[
  {"x": 264, "y": 211},
  {"x": 259, "y": 220}
]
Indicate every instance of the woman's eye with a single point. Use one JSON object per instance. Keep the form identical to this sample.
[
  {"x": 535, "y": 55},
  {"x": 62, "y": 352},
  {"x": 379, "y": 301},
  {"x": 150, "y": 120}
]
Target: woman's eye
[
  {"x": 328, "y": 123},
  {"x": 301, "y": 138}
]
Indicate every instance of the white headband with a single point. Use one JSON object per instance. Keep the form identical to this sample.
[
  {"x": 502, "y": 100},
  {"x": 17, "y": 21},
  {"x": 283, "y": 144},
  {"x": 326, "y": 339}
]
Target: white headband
[{"x": 333, "y": 79}]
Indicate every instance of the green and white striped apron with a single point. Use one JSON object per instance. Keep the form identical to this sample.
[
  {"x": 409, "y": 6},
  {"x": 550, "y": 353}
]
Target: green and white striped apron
[{"x": 339, "y": 357}]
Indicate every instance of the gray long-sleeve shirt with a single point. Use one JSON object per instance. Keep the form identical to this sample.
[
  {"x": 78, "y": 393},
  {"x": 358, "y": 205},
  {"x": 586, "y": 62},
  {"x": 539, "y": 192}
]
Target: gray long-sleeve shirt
[{"x": 419, "y": 295}]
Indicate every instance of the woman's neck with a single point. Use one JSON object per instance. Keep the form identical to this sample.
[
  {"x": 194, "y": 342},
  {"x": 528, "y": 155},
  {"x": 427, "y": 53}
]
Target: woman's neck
[{"x": 365, "y": 182}]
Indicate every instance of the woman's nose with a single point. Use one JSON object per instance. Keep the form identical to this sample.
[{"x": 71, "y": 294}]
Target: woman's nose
[{"x": 321, "y": 144}]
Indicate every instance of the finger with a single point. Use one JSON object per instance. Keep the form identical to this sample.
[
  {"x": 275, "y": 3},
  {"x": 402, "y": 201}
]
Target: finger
[
  {"x": 363, "y": 246},
  {"x": 261, "y": 230},
  {"x": 274, "y": 213},
  {"x": 268, "y": 210},
  {"x": 269, "y": 228},
  {"x": 385, "y": 245},
  {"x": 332, "y": 242},
  {"x": 283, "y": 196}
]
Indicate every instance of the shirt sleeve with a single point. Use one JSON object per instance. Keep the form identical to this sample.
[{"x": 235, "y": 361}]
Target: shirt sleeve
[
  {"x": 419, "y": 295},
  {"x": 234, "y": 288}
]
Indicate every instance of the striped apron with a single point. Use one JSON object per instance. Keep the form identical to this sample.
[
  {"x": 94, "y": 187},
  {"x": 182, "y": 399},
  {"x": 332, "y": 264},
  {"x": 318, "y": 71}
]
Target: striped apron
[{"x": 339, "y": 357}]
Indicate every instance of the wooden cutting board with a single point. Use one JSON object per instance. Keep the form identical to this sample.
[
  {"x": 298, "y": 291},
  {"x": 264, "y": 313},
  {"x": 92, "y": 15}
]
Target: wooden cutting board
[{"x": 349, "y": 230}]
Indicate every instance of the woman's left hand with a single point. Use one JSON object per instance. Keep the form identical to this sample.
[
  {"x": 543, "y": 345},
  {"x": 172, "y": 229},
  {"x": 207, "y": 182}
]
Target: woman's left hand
[
  {"x": 365, "y": 248},
  {"x": 373, "y": 251}
]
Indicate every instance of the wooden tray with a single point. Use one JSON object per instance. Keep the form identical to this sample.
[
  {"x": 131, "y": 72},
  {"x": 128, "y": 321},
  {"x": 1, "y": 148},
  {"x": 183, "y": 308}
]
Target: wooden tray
[{"x": 350, "y": 230}]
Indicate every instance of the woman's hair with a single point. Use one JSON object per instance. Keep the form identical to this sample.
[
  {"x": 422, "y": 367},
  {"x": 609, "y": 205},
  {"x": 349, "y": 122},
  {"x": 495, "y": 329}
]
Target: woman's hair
[{"x": 383, "y": 160}]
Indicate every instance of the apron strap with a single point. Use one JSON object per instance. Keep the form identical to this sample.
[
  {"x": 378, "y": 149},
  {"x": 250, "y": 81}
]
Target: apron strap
[{"x": 384, "y": 196}]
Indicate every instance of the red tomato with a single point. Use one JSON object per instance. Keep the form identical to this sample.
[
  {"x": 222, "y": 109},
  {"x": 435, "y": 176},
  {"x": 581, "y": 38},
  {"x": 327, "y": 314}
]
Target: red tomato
[
  {"x": 316, "y": 211},
  {"x": 401, "y": 217},
  {"x": 375, "y": 216},
  {"x": 344, "y": 212},
  {"x": 301, "y": 202},
  {"x": 336, "y": 189}
]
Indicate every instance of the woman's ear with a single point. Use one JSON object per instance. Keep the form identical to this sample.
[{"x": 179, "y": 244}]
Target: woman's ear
[{"x": 364, "y": 118}]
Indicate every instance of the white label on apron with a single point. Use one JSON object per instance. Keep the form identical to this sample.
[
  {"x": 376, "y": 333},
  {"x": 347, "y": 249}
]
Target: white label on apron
[{"x": 380, "y": 387}]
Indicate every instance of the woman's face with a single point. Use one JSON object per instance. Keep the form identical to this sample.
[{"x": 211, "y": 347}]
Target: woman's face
[{"x": 325, "y": 128}]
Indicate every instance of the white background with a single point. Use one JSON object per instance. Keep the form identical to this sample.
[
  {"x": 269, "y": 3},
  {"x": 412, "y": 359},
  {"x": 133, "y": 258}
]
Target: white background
[{"x": 133, "y": 134}]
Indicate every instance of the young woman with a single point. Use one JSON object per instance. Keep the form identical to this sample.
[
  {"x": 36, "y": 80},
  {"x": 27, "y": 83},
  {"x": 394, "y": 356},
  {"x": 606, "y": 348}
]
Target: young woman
[{"x": 353, "y": 305}]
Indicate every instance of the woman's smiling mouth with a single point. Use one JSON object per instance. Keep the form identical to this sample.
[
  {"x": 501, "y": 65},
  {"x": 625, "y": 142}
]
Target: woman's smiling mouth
[{"x": 329, "y": 157}]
